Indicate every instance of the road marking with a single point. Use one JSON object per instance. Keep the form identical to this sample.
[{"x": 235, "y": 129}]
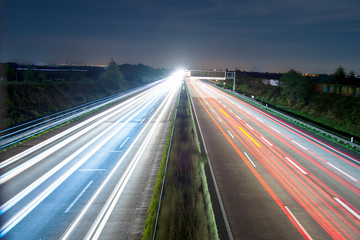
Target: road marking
[
  {"x": 249, "y": 159},
  {"x": 92, "y": 170},
  {"x": 230, "y": 134},
  {"x": 230, "y": 110},
  {"x": 219, "y": 119},
  {"x": 298, "y": 223},
  {"x": 212, "y": 110},
  {"x": 142, "y": 120},
  {"x": 224, "y": 112},
  {"x": 249, "y": 137},
  {"x": 249, "y": 126},
  {"x": 78, "y": 197},
  {"x": 259, "y": 119},
  {"x": 267, "y": 141},
  {"x": 347, "y": 208},
  {"x": 352, "y": 178},
  {"x": 297, "y": 166},
  {"x": 275, "y": 130},
  {"x": 238, "y": 117},
  {"x": 124, "y": 142},
  {"x": 299, "y": 145}
]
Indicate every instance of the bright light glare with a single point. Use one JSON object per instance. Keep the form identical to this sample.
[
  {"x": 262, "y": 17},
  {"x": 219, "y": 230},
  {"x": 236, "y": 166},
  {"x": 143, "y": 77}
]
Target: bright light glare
[{"x": 179, "y": 73}]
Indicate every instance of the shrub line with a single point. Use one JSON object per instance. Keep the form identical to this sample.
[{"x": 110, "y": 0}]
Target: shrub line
[{"x": 327, "y": 135}]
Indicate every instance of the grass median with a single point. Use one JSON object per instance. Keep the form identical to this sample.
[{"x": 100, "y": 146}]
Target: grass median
[{"x": 186, "y": 211}]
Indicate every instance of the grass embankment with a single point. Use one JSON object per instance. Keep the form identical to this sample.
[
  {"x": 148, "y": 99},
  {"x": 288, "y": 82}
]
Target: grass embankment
[
  {"x": 186, "y": 211},
  {"x": 26, "y": 102},
  {"x": 325, "y": 112},
  {"x": 338, "y": 112}
]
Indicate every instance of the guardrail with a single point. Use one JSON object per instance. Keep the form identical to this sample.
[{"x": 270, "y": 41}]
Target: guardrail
[
  {"x": 26, "y": 130},
  {"x": 249, "y": 99}
]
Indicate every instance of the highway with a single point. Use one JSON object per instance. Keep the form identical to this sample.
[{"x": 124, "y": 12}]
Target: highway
[
  {"x": 275, "y": 181},
  {"x": 93, "y": 180}
]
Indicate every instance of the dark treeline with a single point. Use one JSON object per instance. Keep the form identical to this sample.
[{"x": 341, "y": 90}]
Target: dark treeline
[
  {"x": 30, "y": 92},
  {"x": 338, "y": 77}
]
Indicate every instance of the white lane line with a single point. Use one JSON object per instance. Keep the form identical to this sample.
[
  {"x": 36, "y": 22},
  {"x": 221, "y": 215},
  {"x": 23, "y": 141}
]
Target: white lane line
[
  {"x": 34, "y": 203},
  {"x": 92, "y": 170},
  {"x": 259, "y": 120},
  {"x": 349, "y": 176},
  {"x": 207, "y": 102},
  {"x": 297, "y": 166},
  {"x": 238, "y": 117},
  {"x": 355, "y": 214},
  {"x": 275, "y": 130},
  {"x": 104, "y": 214},
  {"x": 299, "y": 145},
  {"x": 212, "y": 110},
  {"x": 142, "y": 120},
  {"x": 249, "y": 159},
  {"x": 230, "y": 110},
  {"x": 249, "y": 126},
  {"x": 219, "y": 119},
  {"x": 298, "y": 223},
  {"x": 224, "y": 106},
  {"x": 78, "y": 197},
  {"x": 267, "y": 141},
  {"x": 231, "y": 134},
  {"x": 124, "y": 142},
  {"x": 111, "y": 112}
]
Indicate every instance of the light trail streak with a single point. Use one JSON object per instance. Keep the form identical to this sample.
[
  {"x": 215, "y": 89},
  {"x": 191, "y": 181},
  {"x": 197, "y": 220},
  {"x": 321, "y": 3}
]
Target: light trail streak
[
  {"x": 306, "y": 189},
  {"x": 13, "y": 221},
  {"x": 31, "y": 162},
  {"x": 10, "y": 203},
  {"x": 103, "y": 216},
  {"x": 257, "y": 175}
]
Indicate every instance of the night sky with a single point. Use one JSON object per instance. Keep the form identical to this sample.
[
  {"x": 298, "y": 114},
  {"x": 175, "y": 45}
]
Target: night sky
[{"x": 311, "y": 36}]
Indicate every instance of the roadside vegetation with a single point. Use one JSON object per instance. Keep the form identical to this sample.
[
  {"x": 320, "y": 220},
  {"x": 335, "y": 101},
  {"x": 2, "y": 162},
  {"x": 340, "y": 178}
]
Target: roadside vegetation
[
  {"x": 30, "y": 92},
  {"x": 296, "y": 95},
  {"x": 186, "y": 211}
]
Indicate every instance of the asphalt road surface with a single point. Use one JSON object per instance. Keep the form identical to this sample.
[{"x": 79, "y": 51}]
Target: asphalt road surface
[
  {"x": 94, "y": 180},
  {"x": 275, "y": 181}
]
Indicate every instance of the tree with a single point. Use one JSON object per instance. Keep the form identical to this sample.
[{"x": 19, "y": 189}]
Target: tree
[
  {"x": 295, "y": 86},
  {"x": 339, "y": 75},
  {"x": 352, "y": 80},
  {"x": 112, "y": 77}
]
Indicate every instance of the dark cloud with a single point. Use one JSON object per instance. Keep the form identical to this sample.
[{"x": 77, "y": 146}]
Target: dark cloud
[{"x": 309, "y": 35}]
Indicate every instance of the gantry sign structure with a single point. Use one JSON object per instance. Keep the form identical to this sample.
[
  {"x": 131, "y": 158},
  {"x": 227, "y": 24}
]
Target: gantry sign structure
[{"x": 212, "y": 75}]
